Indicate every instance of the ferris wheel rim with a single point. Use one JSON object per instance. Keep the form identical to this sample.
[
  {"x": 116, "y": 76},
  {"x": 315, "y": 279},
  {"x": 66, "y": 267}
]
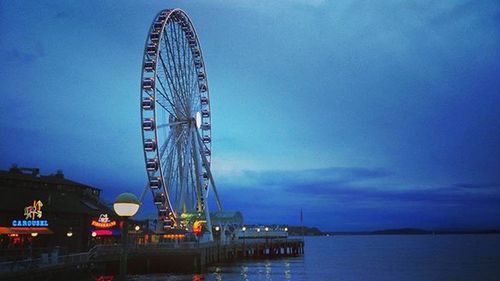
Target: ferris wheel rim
[{"x": 166, "y": 15}]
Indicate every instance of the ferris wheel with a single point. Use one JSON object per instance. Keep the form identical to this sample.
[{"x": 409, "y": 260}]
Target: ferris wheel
[{"x": 176, "y": 119}]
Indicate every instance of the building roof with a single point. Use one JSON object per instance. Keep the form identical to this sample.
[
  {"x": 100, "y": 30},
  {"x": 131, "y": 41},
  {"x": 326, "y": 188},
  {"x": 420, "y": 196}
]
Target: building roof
[
  {"x": 227, "y": 217},
  {"x": 53, "y": 201},
  {"x": 58, "y": 178},
  {"x": 234, "y": 217}
]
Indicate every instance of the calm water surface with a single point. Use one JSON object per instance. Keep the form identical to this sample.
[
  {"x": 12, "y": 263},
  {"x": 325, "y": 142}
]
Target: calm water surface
[{"x": 359, "y": 258}]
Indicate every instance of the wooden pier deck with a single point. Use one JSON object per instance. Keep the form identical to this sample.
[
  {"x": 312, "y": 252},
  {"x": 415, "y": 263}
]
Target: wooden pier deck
[
  {"x": 154, "y": 258},
  {"x": 193, "y": 257}
]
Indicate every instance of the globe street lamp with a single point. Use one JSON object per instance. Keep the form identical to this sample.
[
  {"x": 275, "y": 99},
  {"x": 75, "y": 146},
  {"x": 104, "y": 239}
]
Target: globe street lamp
[
  {"x": 70, "y": 232},
  {"x": 126, "y": 205}
]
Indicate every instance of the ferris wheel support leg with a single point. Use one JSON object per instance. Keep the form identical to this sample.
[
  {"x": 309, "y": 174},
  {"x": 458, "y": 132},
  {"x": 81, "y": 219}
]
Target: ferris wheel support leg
[
  {"x": 199, "y": 173},
  {"x": 203, "y": 193},
  {"x": 209, "y": 172},
  {"x": 146, "y": 187}
]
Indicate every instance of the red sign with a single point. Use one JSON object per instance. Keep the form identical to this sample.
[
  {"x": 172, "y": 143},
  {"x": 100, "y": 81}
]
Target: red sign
[{"x": 103, "y": 222}]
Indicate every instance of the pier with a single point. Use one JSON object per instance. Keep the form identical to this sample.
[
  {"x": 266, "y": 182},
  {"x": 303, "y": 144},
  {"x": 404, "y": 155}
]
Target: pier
[
  {"x": 152, "y": 258},
  {"x": 191, "y": 257}
]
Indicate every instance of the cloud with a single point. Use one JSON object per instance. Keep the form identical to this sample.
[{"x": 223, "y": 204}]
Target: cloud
[
  {"x": 261, "y": 5},
  {"x": 356, "y": 196},
  {"x": 24, "y": 55},
  {"x": 308, "y": 176}
]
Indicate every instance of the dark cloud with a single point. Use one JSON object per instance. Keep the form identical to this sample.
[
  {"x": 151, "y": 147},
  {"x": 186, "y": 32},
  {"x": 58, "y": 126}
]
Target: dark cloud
[
  {"x": 332, "y": 175},
  {"x": 24, "y": 55},
  {"x": 469, "y": 9},
  {"x": 492, "y": 185},
  {"x": 342, "y": 193},
  {"x": 61, "y": 15}
]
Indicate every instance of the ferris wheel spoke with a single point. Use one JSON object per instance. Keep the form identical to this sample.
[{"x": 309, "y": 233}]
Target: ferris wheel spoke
[
  {"x": 185, "y": 54},
  {"x": 167, "y": 164},
  {"x": 186, "y": 161},
  {"x": 176, "y": 61},
  {"x": 171, "y": 165},
  {"x": 170, "y": 84},
  {"x": 172, "y": 124},
  {"x": 171, "y": 62},
  {"x": 193, "y": 82},
  {"x": 173, "y": 66},
  {"x": 164, "y": 107},
  {"x": 172, "y": 184},
  {"x": 180, "y": 40},
  {"x": 194, "y": 193},
  {"x": 176, "y": 58},
  {"x": 165, "y": 96},
  {"x": 173, "y": 88},
  {"x": 165, "y": 144},
  {"x": 169, "y": 79},
  {"x": 195, "y": 105},
  {"x": 176, "y": 143}
]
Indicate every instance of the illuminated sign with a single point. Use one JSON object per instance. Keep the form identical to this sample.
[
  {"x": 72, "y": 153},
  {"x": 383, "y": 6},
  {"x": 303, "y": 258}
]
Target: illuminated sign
[
  {"x": 198, "y": 226},
  {"x": 103, "y": 218},
  {"x": 102, "y": 232},
  {"x": 33, "y": 211},
  {"x": 30, "y": 214},
  {"x": 103, "y": 222},
  {"x": 30, "y": 223}
]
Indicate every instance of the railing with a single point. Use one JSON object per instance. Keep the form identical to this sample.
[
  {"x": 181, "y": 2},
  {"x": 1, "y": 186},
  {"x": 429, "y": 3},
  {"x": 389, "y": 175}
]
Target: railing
[
  {"x": 13, "y": 266},
  {"x": 44, "y": 261},
  {"x": 26, "y": 253},
  {"x": 117, "y": 249},
  {"x": 74, "y": 258}
]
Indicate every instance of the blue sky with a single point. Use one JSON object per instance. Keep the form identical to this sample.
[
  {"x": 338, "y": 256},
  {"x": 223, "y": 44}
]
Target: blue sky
[{"x": 366, "y": 114}]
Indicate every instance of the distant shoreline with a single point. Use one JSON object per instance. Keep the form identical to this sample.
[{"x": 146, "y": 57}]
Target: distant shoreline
[{"x": 314, "y": 231}]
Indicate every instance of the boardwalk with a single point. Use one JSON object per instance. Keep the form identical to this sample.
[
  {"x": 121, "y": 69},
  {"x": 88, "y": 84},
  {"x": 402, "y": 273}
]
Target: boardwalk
[
  {"x": 193, "y": 257},
  {"x": 171, "y": 257}
]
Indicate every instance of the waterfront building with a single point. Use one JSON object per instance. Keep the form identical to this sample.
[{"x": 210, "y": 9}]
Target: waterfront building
[{"x": 40, "y": 212}]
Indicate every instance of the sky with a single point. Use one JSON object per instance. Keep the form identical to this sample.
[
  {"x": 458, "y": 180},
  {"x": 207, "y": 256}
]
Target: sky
[{"x": 364, "y": 114}]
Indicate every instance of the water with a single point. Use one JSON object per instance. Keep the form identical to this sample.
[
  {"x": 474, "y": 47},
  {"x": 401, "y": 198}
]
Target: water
[{"x": 376, "y": 257}]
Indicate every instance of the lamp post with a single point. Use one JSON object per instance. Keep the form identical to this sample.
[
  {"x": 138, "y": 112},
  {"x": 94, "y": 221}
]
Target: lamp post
[
  {"x": 267, "y": 230},
  {"x": 126, "y": 205},
  {"x": 243, "y": 229}
]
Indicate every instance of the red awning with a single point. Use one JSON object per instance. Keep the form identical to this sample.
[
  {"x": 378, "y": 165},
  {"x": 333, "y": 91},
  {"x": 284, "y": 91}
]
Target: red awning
[
  {"x": 25, "y": 230},
  {"x": 106, "y": 232}
]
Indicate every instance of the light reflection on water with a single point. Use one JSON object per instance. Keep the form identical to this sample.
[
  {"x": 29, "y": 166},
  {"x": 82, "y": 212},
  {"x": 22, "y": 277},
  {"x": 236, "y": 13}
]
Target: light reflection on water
[
  {"x": 363, "y": 258},
  {"x": 244, "y": 273},
  {"x": 217, "y": 274},
  {"x": 268, "y": 271},
  {"x": 288, "y": 271}
]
